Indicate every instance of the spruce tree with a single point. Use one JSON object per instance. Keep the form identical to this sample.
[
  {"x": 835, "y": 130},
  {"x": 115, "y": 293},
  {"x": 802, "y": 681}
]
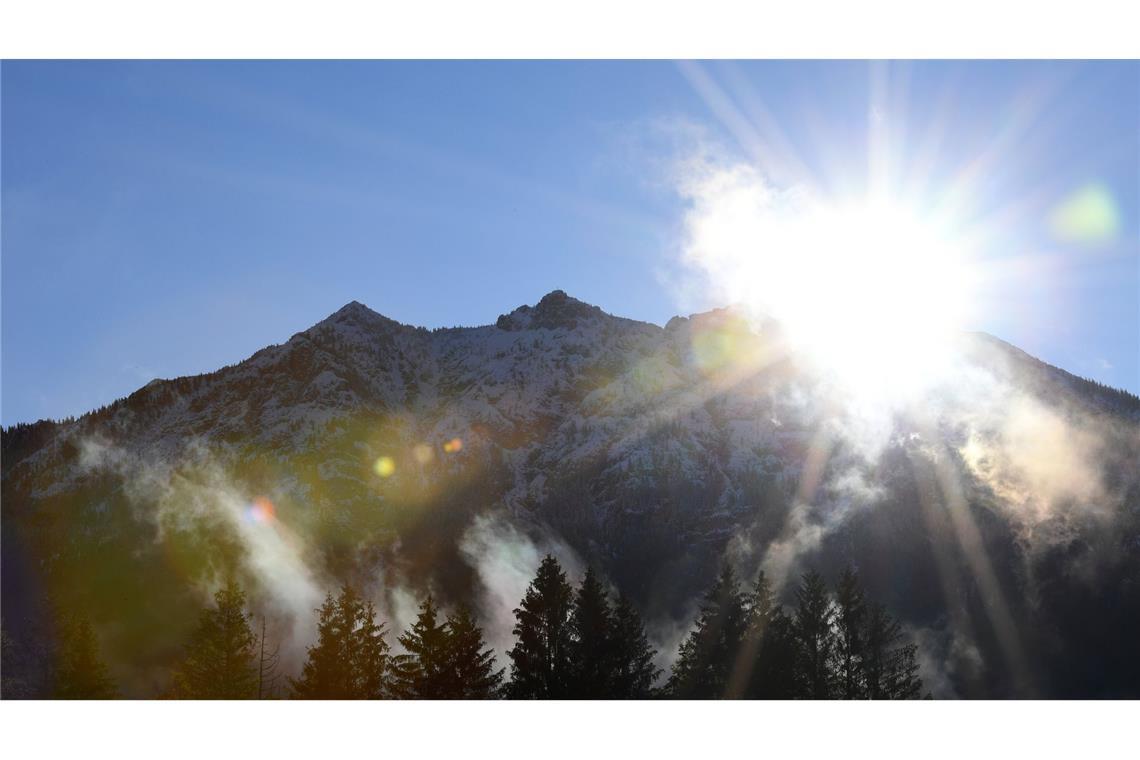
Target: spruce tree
[
  {"x": 540, "y": 658},
  {"x": 268, "y": 658},
  {"x": 850, "y": 611},
  {"x": 350, "y": 659},
  {"x": 890, "y": 669},
  {"x": 633, "y": 672},
  {"x": 79, "y": 673},
  {"x": 814, "y": 617},
  {"x": 325, "y": 675},
  {"x": 776, "y": 674},
  {"x": 220, "y": 660},
  {"x": 423, "y": 672},
  {"x": 708, "y": 655},
  {"x": 471, "y": 664},
  {"x": 759, "y": 609},
  {"x": 371, "y": 663},
  {"x": 591, "y": 628}
]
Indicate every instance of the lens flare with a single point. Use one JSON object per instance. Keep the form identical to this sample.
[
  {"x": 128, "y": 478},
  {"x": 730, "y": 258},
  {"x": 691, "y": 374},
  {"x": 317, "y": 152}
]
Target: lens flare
[
  {"x": 1087, "y": 217},
  {"x": 385, "y": 466},
  {"x": 261, "y": 510},
  {"x": 423, "y": 454},
  {"x": 453, "y": 446}
]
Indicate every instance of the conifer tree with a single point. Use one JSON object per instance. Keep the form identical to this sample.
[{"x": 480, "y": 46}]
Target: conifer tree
[
  {"x": 325, "y": 675},
  {"x": 708, "y": 655},
  {"x": 890, "y": 669},
  {"x": 850, "y": 611},
  {"x": 540, "y": 658},
  {"x": 814, "y": 617},
  {"x": 268, "y": 658},
  {"x": 220, "y": 660},
  {"x": 79, "y": 673},
  {"x": 759, "y": 608},
  {"x": 904, "y": 681},
  {"x": 350, "y": 659},
  {"x": 471, "y": 664},
  {"x": 371, "y": 663},
  {"x": 633, "y": 672},
  {"x": 423, "y": 672},
  {"x": 591, "y": 629},
  {"x": 776, "y": 674}
]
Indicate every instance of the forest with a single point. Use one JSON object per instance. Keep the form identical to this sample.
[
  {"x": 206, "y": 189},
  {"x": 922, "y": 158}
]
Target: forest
[{"x": 569, "y": 643}]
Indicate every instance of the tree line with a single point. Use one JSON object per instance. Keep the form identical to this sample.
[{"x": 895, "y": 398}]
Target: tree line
[{"x": 570, "y": 643}]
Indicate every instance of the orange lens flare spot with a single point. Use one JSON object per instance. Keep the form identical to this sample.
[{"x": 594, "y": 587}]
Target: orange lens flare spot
[
  {"x": 423, "y": 453},
  {"x": 453, "y": 446},
  {"x": 385, "y": 466},
  {"x": 261, "y": 510}
]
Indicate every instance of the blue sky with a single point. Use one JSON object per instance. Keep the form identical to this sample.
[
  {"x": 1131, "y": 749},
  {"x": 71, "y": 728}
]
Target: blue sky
[{"x": 163, "y": 219}]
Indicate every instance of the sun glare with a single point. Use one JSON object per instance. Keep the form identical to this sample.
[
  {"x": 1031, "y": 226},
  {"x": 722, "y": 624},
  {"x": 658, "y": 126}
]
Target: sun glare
[
  {"x": 877, "y": 294},
  {"x": 871, "y": 290}
]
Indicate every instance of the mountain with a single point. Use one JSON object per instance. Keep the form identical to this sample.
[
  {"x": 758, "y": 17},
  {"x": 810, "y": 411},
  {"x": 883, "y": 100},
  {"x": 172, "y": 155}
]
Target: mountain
[{"x": 997, "y": 513}]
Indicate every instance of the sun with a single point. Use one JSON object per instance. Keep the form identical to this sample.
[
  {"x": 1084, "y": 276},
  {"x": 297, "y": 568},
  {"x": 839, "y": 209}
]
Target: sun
[
  {"x": 877, "y": 294},
  {"x": 872, "y": 290}
]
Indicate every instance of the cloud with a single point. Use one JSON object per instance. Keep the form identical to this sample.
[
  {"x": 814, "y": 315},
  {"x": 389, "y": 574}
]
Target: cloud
[
  {"x": 197, "y": 492},
  {"x": 506, "y": 559}
]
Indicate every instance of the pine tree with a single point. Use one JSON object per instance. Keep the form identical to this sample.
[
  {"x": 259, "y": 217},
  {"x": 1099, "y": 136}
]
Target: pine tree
[
  {"x": 776, "y": 675},
  {"x": 890, "y": 670},
  {"x": 371, "y": 663},
  {"x": 471, "y": 664},
  {"x": 79, "y": 673},
  {"x": 220, "y": 660},
  {"x": 815, "y": 639},
  {"x": 423, "y": 672},
  {"x": 268, "y": 659},
  {"x": 540, "y": 658},
  {"x": 326, "y": 673},
  {"x": 591, "y": 624},
  {"x": 707, "y": 657},
  {"x": 759, "y": 609},
  {"x": 633, "y": 672},
  {"x": 903, "y": 681},
  {"x": 850, "y": 611},
  {"x": 350, "y": 659}
]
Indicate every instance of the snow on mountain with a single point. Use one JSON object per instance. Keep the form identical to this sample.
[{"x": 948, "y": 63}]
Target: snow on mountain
[{"x": 653, "y": 452}]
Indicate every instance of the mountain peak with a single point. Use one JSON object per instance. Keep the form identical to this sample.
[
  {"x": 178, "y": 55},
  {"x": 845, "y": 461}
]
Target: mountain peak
[
  {"x": 353, "y": 308},
  {"x": 356, "y": 313},
  {"x": 554, "y": 310}
]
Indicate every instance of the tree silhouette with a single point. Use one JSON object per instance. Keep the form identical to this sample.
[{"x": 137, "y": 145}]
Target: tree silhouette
[
  {"x": 79, "y": 673},
  {"x": 890, "y": 668},
  {"x": 471, "y": 664},
  {"x": 350, "y": 659},
  {"x": 776, "y": 675},
  {"x": 633, "y": 672},
  {"x": 220, "y": 660},
  {"x": 423, "y": 672},
  {"x": 591, "y": 644},
  {"x": 759, "y": 611},
  {"x": 815, "y": 639},
  {"x": 369, "y": 654},
  {"x": 268, "y": 658},
  {"x": 708, "y": 655},
  {"x": 540, "y": 658},
  {"x": 850, "y": 611}
]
